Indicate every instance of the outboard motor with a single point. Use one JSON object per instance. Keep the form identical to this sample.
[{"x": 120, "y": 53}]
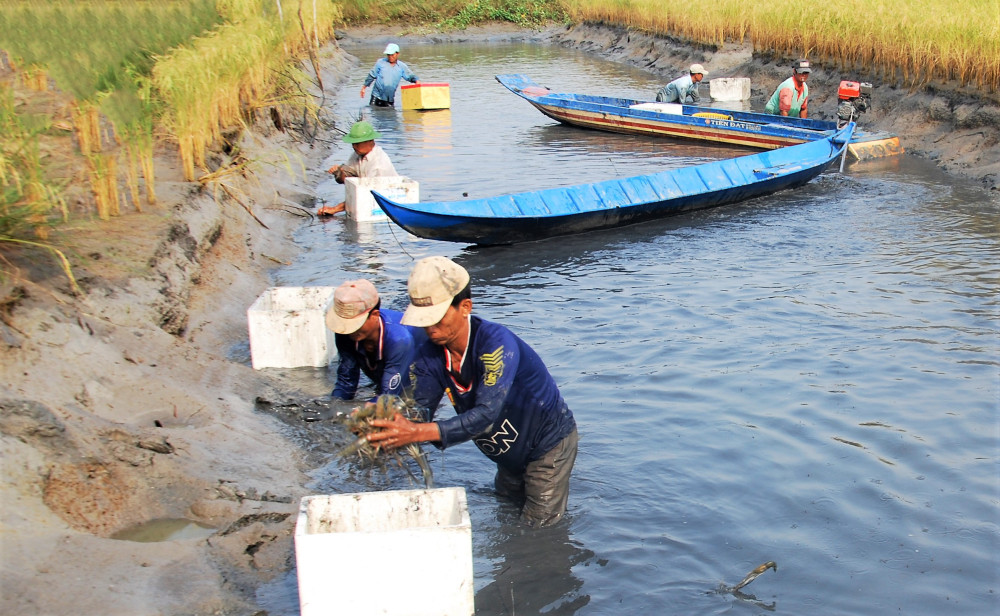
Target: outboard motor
[{"x": 855, "y": 99}]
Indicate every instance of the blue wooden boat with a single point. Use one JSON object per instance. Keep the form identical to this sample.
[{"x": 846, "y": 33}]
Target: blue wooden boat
[
  {"x": 541, "y": 214},
  {"x": 743, "y": 128}
]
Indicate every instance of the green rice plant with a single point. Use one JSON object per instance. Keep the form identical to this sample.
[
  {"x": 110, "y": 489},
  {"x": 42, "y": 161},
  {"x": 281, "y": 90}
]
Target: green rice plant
[
  {"x": 99, "y": 51},
  {"x": 525, "y": 13},
  {"x": 210, "y": 83},
  {"x": 909, "y": 43},
  {"x": 27, "y": 200}
]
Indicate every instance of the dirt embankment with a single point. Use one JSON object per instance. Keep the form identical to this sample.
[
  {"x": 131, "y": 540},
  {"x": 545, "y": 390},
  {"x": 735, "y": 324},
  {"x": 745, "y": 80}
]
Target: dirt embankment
[{"x": 122, "y": 406}]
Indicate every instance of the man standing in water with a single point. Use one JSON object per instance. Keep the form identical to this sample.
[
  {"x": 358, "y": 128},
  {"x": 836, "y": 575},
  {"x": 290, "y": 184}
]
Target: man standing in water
[
  {"x": 791, "y": 98},
  {"x": 367, "y": 161},
  {"x": 506, "y": 401},
  {"x": 386, "y": 74},
  {"x": 370, "y": 339}
]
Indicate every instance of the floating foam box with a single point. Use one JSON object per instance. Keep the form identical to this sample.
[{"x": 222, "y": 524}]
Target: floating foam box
[
  {"x": 729, "y": 88},
  {"x": 671, "y": 108},
  {"x": 404, "y": 552},
  {"x": 288, "y": 328},
  {"x": 361, "y": 205},
  {"x": 426, "y": 96}
]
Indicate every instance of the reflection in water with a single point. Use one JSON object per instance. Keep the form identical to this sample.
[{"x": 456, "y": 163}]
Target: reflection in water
[
  {"x": 165, "y": 529},
  {"x": 532, "y": 570}
]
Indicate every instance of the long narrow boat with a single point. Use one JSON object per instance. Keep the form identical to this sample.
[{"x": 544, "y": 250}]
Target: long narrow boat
[
  {"x": 744, "y": 128},
  {"x": 541, "y": 214}
]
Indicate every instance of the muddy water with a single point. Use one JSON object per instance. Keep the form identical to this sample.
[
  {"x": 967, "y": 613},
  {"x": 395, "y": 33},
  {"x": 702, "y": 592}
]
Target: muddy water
[{"x": 809, "y": 378}]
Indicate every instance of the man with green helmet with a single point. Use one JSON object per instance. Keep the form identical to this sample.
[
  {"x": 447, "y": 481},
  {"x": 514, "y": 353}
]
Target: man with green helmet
[{"x": 367, "y": 161}]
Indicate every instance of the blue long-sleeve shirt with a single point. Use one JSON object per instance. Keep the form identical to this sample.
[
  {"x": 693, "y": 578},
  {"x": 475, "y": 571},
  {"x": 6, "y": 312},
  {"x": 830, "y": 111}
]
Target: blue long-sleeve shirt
[
  {"x": 386, "y": 77},
  {"x": 506, "y": 400},
  {"x": 389, "y": 368},
  {"x": 682, "y": 90}
]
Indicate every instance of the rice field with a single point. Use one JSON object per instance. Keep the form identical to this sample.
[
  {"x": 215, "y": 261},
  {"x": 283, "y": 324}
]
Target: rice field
[{"x": 908, "y": 43}]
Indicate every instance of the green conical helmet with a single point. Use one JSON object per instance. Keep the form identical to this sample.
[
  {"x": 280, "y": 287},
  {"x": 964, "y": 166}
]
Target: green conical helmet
[{"x": 361, "y": 131}]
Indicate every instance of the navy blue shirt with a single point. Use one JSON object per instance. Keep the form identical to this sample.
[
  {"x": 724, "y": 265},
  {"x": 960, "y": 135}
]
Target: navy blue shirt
[
  {"x": 506, "y": 400},
  {"x": 389, "y": 369}
]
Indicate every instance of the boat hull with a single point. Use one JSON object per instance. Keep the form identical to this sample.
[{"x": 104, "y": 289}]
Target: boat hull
[
  {"x": 538, "y": 215},
  {"x": 742, "y": 128}
]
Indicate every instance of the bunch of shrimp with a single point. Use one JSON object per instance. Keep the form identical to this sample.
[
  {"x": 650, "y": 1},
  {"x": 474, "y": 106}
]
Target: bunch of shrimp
[{"x": 386, "y": 406}]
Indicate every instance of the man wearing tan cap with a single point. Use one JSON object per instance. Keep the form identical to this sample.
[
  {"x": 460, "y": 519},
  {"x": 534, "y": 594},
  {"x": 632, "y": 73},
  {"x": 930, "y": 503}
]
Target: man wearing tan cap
[
  {"x": 683, "y": 90},
  {"x": 370, "y": 339},
  {"x": 791, "y": 97},
  {"x": 506, "y": 401}
]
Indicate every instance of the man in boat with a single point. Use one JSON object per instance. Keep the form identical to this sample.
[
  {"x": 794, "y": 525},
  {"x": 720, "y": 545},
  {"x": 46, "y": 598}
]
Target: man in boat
[
  {"x": 368, "y": 161},
  {"x": 791, "y": 98},
  {"x": 386, "y": 75},
  {"x": 683, "y": 90},
  {"x": 506, "y": 401},
  {"x": 370, "y": 339}
]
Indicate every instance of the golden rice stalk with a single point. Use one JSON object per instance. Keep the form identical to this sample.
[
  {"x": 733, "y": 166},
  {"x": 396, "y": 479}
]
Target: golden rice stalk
[
  {"x": 87, "y": 122},
  {"x": 146, "y": 161},
  {"x": 102, "y": 173},
  {"x": 132, "y": 175}
]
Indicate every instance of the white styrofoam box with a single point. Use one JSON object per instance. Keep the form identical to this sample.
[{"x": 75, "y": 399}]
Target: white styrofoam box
[
  {"x": 729, "y": 88},
  {"x": 360, "y": 204},
  {"x": 288, "y": 328},
  {"x": 671, "y": 108},
  {"x": 402, "y": 552}
]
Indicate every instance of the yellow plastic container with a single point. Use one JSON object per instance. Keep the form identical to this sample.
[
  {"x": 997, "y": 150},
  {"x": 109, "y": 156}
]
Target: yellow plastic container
[{"x": 426, "y": 96}]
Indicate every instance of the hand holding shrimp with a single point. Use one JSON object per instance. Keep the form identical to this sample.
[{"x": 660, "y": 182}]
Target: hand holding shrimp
[{"x": 399, "y": 431}]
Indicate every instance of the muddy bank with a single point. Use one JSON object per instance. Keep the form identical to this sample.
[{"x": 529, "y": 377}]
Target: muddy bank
[{"x": 125, "y": 405}]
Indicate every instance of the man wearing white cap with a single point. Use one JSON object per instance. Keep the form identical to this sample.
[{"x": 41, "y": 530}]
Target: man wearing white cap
[
  {"x": 683, "y": 90},
  {"x": 506, "y": 401},
  {"x": 386, "y": 75},
  {"x": 791, "y": 98},
  {"x": 370, "y": 339}
]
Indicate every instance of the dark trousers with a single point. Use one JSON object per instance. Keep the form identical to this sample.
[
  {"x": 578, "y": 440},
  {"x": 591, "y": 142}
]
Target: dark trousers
[
  {"x": 378, "y": 102},
  {"x": 543, "y": 489}
]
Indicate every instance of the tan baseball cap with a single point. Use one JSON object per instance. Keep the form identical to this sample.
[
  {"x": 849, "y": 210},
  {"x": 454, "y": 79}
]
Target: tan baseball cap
[
  {"x": 433, "y": 283},
  {"x": 697, "y": 69},
  {"x": 352, "y": 301}
]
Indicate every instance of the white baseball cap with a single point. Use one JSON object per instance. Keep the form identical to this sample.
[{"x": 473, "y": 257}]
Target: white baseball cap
[
  {"x": 433, "y": 283},
  {"x": 352, "y": 301},
  {"x": 391, "y": 48}
]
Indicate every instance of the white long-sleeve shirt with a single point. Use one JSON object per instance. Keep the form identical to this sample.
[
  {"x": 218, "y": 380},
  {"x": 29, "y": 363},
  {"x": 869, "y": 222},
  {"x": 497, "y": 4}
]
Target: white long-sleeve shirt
[{"x": 375, "y": 164}]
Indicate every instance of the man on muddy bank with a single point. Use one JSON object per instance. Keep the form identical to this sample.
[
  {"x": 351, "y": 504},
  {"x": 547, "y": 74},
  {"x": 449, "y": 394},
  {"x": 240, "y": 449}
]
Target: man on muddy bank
[
  {"x": 506, "y": 401},
  {"x": 684, "y": 89},
  {"x": 791, "y": 98},
  {"x": 370, "y": 339}
]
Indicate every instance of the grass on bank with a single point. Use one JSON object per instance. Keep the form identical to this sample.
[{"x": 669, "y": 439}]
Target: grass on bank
[{"x": 138, "y": 72}]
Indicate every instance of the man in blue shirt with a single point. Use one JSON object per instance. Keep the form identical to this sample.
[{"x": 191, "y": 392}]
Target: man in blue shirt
[
  {"x": 506, "y": 401},
  {"x": 386, "y": 74},
  {"x": 684, "y": 89},
  {"x": 370, "y": 339}
]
